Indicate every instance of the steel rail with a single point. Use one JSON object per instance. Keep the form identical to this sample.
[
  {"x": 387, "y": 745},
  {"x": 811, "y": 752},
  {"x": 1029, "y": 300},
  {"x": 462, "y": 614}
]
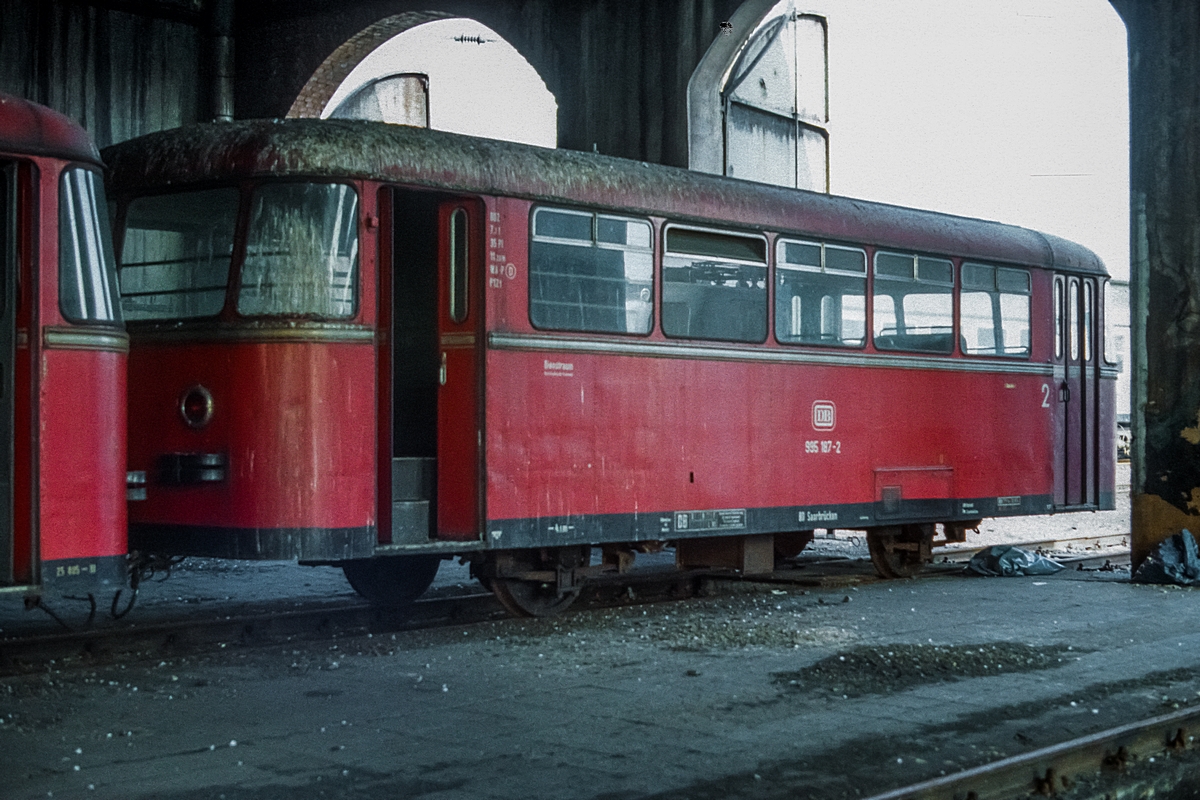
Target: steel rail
[{"x": 1050, "y": 770}]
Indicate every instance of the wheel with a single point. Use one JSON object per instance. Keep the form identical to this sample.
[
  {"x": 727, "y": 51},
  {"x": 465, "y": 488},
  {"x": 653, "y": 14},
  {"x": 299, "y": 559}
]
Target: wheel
[
  {"x": 899, "y": 552},
  {"x": 524, "y": 598},
  {"x": 391, "y": 580}
]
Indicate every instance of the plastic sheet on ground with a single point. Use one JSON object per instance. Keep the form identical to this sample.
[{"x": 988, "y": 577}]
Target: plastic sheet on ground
[
  {"x": 1006, "y": 561},
  {"x": 1174, "y": 561}
]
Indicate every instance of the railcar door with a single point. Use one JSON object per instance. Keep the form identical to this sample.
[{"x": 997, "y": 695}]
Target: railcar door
[
  {"x": 459, "y": 419},
  {"x": 1078, "y": 391},
  {"x": 10, "y": 573}
]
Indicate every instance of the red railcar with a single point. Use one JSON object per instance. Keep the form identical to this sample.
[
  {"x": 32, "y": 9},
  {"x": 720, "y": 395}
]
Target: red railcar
[
  {"x": 377, "y": 346},
  {"x": 62, "y": 363}
]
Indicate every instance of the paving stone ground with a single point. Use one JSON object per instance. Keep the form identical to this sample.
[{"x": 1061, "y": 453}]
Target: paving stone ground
[{"x": 689, "y": 699}]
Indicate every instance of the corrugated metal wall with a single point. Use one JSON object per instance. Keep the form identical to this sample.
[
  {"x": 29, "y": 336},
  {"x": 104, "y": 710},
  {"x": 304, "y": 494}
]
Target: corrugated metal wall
[{"x": 120, "y": 71}]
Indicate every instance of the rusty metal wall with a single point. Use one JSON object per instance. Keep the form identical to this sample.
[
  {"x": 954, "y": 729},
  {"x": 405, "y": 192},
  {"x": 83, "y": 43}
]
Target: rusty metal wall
[
  {"x": 1164, "y": 81},
  {"x": 120, "y": 71},
  {"x": 619, "y": 70}
]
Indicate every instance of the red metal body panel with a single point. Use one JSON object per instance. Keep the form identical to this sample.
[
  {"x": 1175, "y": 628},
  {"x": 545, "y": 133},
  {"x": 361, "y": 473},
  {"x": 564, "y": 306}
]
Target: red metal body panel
[
  {"x": 80, "y": 425},
  {"x": 296, "y": 421},
  {"x": 621, "y": 434},
  {"x": 82, "y": 454}
]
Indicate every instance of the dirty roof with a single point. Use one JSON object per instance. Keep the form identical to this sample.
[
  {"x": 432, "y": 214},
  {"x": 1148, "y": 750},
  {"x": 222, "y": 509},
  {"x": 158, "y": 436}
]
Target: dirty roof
[{"x": 426, "y": 158}]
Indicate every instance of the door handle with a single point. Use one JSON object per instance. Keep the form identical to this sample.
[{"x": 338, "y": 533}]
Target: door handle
[
  {"x": 442, "y": 370},
  {"x": 1064, "y": 391}
]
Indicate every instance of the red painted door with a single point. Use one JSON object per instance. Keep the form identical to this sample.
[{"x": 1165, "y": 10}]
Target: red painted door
[
  {"x": 459, "y": 419},
  {"x": 1078, "y": 372},
  {"x": 14, "y": 554}
]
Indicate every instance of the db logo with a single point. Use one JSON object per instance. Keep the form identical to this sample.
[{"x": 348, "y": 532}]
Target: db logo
[{"x": 824, "y": 415}]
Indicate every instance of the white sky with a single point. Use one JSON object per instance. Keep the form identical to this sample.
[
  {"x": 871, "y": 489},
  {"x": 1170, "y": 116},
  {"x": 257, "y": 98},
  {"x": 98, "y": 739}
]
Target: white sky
[
  {"x": 484, "y": 89},
  {"x": 1013, "y": 110}
]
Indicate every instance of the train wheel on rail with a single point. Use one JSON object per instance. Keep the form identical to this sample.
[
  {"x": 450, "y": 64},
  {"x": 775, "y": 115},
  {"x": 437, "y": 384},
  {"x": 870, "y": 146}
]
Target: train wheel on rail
[
  {"x": 391, "y": 580},
  {"x": 547, "y": 584},
  {"x": 900, "y": 551}
]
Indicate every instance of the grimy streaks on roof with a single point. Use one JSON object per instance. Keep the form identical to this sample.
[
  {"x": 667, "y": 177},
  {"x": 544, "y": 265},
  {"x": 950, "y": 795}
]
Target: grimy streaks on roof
[{"x": 435, "y": 159}]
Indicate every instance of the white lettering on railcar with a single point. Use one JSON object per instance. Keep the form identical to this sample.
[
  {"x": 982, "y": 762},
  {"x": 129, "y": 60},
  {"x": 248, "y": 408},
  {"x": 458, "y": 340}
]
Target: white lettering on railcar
[
  {"x": 558, "y": 369},
  {"x": 1008, "y": 502},
  {"x": 818, "y": 516}
]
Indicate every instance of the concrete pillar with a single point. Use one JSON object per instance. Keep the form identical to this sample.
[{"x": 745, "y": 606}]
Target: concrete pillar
[{"x": 1164, "y": 78}]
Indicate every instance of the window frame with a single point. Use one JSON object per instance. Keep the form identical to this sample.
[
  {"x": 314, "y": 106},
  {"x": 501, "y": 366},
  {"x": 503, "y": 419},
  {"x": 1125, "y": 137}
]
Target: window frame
[
  {"x": 105, "y": 227},
  {"x": 765, "y": 264},
  {"x": 954, "y": 285},
  {"x": 996, "y": 291},
  {"x": 594, "y": 216},
  {"x": 237, "y": 250},
  {"x": 781, "y": 241},
  {"x": 242, "y": 249}
]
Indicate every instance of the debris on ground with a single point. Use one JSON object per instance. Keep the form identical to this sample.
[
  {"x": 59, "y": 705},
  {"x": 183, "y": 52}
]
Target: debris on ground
[
  {"x": 1175, "y": 561},
  {"x": 1006, "y": 561}
]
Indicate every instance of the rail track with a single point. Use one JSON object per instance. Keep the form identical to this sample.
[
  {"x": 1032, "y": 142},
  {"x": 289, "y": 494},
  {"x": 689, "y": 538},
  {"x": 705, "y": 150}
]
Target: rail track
[
  {"x": 271, "y": 622},
  {"x": 1136, "y": 755}
]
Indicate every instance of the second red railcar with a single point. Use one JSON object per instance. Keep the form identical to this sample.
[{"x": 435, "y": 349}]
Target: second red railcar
[
  {"x": 62, "y": 364},
  {"x": 377, "y": 346}
]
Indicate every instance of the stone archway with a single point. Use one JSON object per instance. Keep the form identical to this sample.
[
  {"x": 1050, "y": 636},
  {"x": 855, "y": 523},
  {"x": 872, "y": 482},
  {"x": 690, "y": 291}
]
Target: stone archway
[{"x": 341, "y": 62}]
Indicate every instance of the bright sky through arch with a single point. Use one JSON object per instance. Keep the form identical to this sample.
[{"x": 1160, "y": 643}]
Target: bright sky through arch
[
  {"x": 478, "y": 83},
  {"x": 1012, "y": 110}
]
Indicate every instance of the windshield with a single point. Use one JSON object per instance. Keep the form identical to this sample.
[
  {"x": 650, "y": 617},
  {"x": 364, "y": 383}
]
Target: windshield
[
  {"x": 301, "y": 251},
  {"x": 176, "y": 254},
  {"x": 87, "y": 286}
]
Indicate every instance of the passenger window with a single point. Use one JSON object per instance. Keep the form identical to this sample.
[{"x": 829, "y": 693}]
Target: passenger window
[
  {"x": 87, "y": 278},
  {"x": 1058, "y": 318},
  {"x": 1087, "y": 321},
  {"x": 714, "y": 285},
  {"x": 821, "y": 294},
  {"x": 1072, "y": 319},
  {"x": 176, "y": 253},
  {"x": 458, "y": 265},
  {"x": 590, "y": 272},
  {"x": 914, "y": 303},
  {"x": 1114, "y": 342},
  {"x": 301, "y": 251},
  {"x": 994, "y": 315}
]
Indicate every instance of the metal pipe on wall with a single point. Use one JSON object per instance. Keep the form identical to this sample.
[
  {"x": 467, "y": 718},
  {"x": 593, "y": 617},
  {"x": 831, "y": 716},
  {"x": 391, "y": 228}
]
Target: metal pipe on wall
[{"x": 222, "y": 55}]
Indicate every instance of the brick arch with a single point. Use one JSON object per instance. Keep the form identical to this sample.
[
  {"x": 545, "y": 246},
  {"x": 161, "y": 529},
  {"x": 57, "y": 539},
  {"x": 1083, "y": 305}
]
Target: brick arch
[{"x": 333, "y": 70}]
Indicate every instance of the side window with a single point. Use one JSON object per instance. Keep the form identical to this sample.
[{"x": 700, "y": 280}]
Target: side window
[
  {"x": 1087, "y": 321},
  {"x": 87, "y": 278},
  {"x": 458, "y": 265},
  {"x": 1114, "y": 341},
  {"x": 914, "y": 303},
  {"x": 176, "y": 252},
  {"x": 1073, "y": 319},
  {"x": 301, "y": 251},
  {"x": 590, "y": 272},
  {"x": 714, "y": 285},
  {"x": 1058, "y": 318},
  {"x": 821, "y": 294},
  {"x": 994, "y": 310}
]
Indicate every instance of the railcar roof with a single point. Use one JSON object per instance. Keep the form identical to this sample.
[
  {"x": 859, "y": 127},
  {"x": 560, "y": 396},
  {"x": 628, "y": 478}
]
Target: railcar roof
[
  {"x": 32, "y": 129},
  {"x": 436, "y": 159}
]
